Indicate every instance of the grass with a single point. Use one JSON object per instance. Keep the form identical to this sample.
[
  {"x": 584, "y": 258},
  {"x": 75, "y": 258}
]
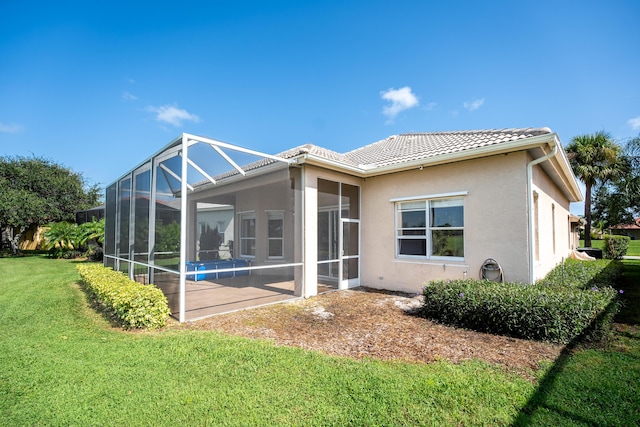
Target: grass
[
  {"x": 595, "y": 386},
  {"x": 633, "y": 250},
  {"x": 61, "y": 364}
]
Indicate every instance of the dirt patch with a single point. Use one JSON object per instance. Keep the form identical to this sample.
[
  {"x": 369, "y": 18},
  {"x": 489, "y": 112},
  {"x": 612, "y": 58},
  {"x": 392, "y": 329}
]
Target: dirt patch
[{"x": 369, "y": 323}]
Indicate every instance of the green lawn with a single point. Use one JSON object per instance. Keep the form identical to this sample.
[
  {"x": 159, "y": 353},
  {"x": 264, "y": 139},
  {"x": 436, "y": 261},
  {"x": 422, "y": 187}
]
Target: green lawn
[
  {"x": 597, "y": 386},
  {"x": 634, "y": 246},
  {"x": 61, "y": 364}
]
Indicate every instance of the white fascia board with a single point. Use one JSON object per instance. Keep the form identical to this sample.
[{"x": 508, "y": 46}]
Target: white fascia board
[
  {"x": 568, "y": 173},
  {"x": 490, "y": 150},
  {"x": 312, "y": 159},
  {"x": 563, "y": 168},
  {"x": 367, "y": 171},
  {"x": 549, "y": 140}
]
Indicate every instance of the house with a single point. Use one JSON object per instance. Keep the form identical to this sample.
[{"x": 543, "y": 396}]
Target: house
[
  {"x": 630, "y": 230},
  {"x": 391, "y": 215}
]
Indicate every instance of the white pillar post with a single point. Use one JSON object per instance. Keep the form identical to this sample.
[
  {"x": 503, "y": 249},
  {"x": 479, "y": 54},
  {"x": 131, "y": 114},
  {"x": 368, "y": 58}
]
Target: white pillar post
[{"x": 183, "y": 230}]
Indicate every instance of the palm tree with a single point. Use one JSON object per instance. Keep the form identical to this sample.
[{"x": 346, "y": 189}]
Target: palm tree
[
  {"x": 91, "y": 231},
  {"x": 61, "y": 237},
  {"x": 631, "y": 182},
  {"x": 595, "y": 159}
]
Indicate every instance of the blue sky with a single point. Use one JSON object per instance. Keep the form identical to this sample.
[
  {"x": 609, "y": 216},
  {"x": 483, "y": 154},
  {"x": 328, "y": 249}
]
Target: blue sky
[{"x": 100, "y": 86}]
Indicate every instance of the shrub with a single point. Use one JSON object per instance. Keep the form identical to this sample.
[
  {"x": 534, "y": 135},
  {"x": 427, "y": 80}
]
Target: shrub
[
  {"x": 583, "y": 275},
  {"x": 615, "y": 247},
  {"x": 544, "y": 311},
  {"x": 132, "y": 304},
  {"x": 69, "y": 240}
]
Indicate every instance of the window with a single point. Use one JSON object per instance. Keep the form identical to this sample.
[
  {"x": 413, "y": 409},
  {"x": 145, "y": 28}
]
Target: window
[
  {"x": 430, "y": 228},
  {"x": 276, "y": 234},
  {"x": 553, "y": 226},
  {"x": 221, "y": 229},
  {"x": 248, "y": 234},
  {"x": 536, "y": 224}
]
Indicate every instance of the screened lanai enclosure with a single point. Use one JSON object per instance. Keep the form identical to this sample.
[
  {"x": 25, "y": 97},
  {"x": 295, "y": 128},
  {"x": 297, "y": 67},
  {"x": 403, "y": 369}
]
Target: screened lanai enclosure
[{"x": 215, "y": 226}]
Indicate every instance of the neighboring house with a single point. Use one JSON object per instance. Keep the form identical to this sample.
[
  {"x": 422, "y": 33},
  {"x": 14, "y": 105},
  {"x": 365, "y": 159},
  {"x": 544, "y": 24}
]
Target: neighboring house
[
  {"x": 391, "y": 215},
  {"x": 33, "y": 237},
  {"x": 629, "y": 230}
]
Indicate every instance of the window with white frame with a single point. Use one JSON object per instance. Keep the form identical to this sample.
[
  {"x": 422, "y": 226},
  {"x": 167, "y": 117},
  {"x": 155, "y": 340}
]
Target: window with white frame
[
  {"x": 275, "y": 237},
  {"x": 221, "y": 230},
  {"x": 430, "y": 228},
  {"x": 248, "y": 234}
]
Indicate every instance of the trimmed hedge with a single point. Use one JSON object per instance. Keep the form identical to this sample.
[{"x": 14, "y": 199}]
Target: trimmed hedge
[
  {"x": 132, "y": 304},
  {"x": 546, "y": 311},
  {"x": 615, "y": 247},
  {"x": 583, "y": 274}
]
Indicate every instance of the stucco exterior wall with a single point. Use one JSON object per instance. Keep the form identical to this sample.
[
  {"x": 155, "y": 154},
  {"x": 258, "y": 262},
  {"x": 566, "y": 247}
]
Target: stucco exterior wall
[
  {"x": 496, "y": 211},
  {"x": 495, "y": 221},
  {"x": 553, "y": 225}
]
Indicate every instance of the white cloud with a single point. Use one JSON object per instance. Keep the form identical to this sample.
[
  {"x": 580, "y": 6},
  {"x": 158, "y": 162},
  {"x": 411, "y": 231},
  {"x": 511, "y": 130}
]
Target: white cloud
[
  {"x": 11, "y": 128},
  {"x": 634, "y": 123},
  {"x": 128, "y": 97},
  {"x": 172, "y": 115},
  {"x": 401, "y": 99},
  {"x": 473, "y": 104}
]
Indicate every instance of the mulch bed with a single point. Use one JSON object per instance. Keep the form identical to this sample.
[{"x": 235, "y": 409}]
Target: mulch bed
[{"x": 364, "y": 322}]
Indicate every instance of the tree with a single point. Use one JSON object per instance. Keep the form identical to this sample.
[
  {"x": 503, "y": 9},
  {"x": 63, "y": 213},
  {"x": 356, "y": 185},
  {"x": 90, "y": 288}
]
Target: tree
[
  {"x": 35, "y": 191},
  {"x": 64, "y": 237},
  {"x": 91, "y": 232},
  {"x": 209, "y": 243},
  {"x": 610, "y": 206},
  {"x": 61, "y": 237},
  {"x": 631, "y": 182},
  {"x": 618, "y": 201},
  {"x": 595, "y": 159}
]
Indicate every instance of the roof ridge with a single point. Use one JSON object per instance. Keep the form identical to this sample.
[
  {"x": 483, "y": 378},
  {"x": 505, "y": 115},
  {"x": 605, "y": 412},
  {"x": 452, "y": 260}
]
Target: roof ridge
[{"x": 537, "y": 131}]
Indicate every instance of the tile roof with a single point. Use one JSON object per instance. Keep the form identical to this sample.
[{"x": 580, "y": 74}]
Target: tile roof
[
  {"x": 398, "y": 149},
  {"x": 634, "y": 226},
  {"x": 317, "y": 151},
  {"x": 407, "y": 147},
  {"x": 415, "y": 146}
]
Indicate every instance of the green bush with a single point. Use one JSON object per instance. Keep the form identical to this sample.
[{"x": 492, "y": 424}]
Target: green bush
[
  {"x": 132, "y": 304},
  {"x": 583, "y": 275},
  {"x": 615, "y": 247},
  {"x": 545, "y": 311}
]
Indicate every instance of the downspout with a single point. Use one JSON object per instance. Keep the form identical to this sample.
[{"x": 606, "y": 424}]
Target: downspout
[{"x": 530, "y": 165}]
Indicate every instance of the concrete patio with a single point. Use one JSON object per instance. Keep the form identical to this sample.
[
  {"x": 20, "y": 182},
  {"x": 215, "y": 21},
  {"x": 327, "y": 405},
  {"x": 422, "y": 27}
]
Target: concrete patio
[{"x": 210, "y": 297}]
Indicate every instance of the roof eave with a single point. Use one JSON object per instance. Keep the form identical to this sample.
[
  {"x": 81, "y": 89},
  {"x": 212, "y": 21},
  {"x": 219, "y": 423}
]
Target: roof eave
[
  {"x": 474, "y": 153},
  {"x": 312, "y": 159},
  {"x": 363, "y": 171}
]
